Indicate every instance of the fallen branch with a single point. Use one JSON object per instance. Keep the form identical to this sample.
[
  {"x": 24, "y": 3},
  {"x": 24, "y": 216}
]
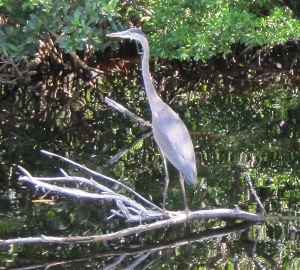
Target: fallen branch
[
  {"x": 103, "y": 178},
  {"x": 179, "y": 218},
  {"x": 127, "y": 208},
  {"x": 137, "y": 209}
]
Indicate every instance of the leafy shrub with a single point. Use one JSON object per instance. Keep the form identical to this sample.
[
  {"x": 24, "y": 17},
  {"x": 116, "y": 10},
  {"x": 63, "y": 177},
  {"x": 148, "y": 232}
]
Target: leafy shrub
[
  {"x": 178, "y": 28},
  {"x": 78, "y": 24},
  {"x": 203, "y": 29}
]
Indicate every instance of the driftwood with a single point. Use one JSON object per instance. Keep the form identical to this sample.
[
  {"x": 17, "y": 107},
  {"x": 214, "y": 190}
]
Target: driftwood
[{"x": 135, "y": 209}]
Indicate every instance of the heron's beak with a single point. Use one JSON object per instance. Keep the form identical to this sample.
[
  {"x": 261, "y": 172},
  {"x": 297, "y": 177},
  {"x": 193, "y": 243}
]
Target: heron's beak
[
  {"x": 112, "y": 35},
  {"x": 121, "y": 34}
]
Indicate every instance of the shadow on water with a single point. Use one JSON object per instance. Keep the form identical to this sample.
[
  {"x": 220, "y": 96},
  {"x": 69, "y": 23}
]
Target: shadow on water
[{"x": 255, "y": 132}]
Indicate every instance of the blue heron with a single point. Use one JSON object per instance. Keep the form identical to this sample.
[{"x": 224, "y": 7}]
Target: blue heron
[{"x": 169, "y": 131}]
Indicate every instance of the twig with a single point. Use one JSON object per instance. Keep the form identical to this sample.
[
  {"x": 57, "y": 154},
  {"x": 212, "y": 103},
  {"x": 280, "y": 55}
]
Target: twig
[
  {"x": 254, "y": 194},
  {"x": 138, "y": 260},
  {"x": 80, "y": 193}
]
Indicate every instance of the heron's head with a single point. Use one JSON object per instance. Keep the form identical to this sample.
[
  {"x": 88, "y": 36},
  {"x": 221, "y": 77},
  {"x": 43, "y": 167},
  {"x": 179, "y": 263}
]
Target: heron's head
[{"x": 133, "y": 33}]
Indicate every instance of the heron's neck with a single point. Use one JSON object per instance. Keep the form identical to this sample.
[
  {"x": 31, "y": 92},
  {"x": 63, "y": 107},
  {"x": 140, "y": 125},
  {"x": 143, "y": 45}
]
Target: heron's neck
[{"x": 152, "y": 95}]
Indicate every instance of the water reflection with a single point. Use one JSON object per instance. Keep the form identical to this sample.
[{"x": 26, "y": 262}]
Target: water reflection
[
  {"x": 256, "y": 132},
  {"x": 186, "y": 250}
]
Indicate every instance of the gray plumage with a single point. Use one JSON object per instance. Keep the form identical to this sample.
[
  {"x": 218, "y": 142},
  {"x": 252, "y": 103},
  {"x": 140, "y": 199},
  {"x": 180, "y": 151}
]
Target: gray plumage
[{"x": 169, "y": 131}]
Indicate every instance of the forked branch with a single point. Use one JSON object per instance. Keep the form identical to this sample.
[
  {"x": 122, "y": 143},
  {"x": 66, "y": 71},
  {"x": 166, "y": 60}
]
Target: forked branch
[{"x": 129, "y": 205}]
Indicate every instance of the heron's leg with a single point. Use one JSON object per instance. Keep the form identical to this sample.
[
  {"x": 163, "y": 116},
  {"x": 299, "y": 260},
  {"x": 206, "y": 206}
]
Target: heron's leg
[
  {"x": 186, "y": 209},
  {"x": 166, "y": 183}
]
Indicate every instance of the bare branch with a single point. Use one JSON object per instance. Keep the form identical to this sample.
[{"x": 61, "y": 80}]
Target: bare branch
[
  {"x": 133, "y": 211},
  {"x": 178, "y": 218},
  {"x": 121, "y": 109},
  {"x": 106, "y": 178},
  {"x": 125, "y": 207}
]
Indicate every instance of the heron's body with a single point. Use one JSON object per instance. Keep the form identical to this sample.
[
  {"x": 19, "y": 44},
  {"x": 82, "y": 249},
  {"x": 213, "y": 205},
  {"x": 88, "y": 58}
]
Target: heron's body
[
  {"x": 174, "y": 141},
  {"x": 169, "y": 131}
]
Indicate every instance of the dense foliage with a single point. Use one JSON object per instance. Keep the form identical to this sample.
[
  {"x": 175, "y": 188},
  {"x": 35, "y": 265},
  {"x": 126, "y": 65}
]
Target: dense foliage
[
  {"x": 80, "y": 25},
  {"x": 177, "y": 29},
  {"x": 206, "y": 28}
]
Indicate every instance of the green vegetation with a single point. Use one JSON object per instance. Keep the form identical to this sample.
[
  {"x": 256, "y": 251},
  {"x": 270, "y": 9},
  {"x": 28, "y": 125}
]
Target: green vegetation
[
  {"x": 203, "y": 29},
  {"x": 80, "y": 25},
  {"x": 177, "y": 29}
]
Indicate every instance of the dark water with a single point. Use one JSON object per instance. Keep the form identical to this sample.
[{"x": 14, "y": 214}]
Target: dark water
[{"x": 234, "y": 134}]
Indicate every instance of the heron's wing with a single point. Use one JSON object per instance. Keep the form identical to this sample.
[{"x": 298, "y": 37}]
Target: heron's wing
[{"x": 172, "y": 136}]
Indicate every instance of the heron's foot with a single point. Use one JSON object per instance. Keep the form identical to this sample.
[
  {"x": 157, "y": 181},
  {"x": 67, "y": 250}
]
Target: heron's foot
[
  {"x": 170, "y": 214},
  {"x": 165, "y": 211},
  {"x": 187, "y": 211}
]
